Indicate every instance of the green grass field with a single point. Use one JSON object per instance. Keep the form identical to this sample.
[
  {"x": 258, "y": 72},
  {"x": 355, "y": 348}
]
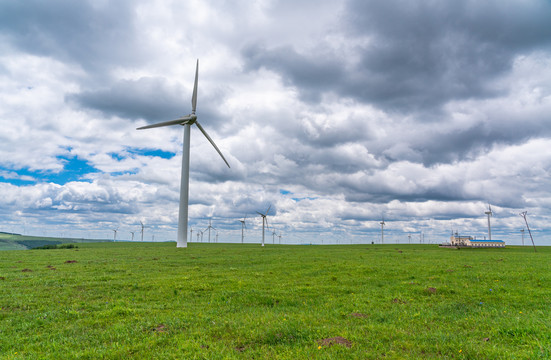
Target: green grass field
[{"x": 217, "y": 301}]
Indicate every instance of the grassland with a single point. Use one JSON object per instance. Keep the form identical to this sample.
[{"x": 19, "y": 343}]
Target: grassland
[{"x": 216, "y": 301}]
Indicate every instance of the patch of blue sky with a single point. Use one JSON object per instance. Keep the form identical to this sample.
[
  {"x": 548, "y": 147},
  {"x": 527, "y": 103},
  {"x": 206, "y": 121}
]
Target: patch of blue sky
[
  {"x": 304, "y": 198},
  {"x": 126, "y": 172},
  {"x": 297, "y": 199},
  {"x": 132, "y": 152},
  {"x": 74, "y": 169}
]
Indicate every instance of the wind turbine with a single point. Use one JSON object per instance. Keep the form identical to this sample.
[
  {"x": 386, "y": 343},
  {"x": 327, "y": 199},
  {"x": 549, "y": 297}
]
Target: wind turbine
[
  {"x": 132, "y": 232},
  {"x": 273, "y": 237},
  {"x": 522, "y": 232},
  {"x": 279, "y": 238},
  {"x": 186, "y": 122},
  {"x": 210, "y": 227},
  {"x": 264, "y": 222},
  {"x": 243, "y": 226},
  {"x": 141, "y": 223},
  {"x": 190, "y": 234},
  {"x": 382, "y": 230},
  {"x": 115, "y": 234},
  {"x": 489, "y": 213}
]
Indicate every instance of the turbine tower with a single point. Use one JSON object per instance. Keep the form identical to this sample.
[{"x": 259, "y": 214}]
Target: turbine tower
[
  {"x": 141, "y": 223},
  {"x": 522, "y": 233},
  {"x": 264, "y": 222},
  {"x": 382, "y": 230},
  {"x": 489, "y": 213},
  {"x": 273, "y": 237},
  {"x": 132, "y": 232},
  {"x": 190, "y": 234},
  {"x": 243, "y": 226},
  {"x": 115, "y": 234},
  {"x": 186, "y": 122}
]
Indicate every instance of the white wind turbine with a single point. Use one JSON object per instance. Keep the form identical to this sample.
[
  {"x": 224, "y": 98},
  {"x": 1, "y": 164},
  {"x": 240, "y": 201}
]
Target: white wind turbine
[
  {"x": 382, "y": 230},
  {"x": 264, "y": 222},
  {"x": 243, "y": 226},
  {"x": 132, "y": 232},
  {"x": 141, "y": 223},
  {"x": 210, "y": 227},
  {"x": 186, "y": 122},
  {"x": 489, "y": 213},
  {"x": 115, "y": 234}
]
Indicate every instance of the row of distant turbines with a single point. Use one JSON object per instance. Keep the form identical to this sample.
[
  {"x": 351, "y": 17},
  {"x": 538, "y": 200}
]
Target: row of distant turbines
[
  {"x": 115, "y": 231},
  {"x": 264, "y": 216}
]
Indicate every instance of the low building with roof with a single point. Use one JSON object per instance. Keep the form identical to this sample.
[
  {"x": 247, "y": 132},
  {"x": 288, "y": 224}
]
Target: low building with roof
[{"x": 469, "y": 241}]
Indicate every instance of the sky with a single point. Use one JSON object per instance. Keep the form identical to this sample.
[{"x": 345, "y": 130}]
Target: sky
[{"x": 335, "y": 114}]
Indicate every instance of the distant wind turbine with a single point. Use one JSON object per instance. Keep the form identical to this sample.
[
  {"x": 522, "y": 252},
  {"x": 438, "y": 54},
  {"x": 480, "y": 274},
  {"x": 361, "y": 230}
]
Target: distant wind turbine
[
  {"x": 132, "y": 232},
  {"x": 190, "y": 234},
  {"x": 186, "y": 122},
  {"x": 115, "y": 234},
  {"x": 382, "y": 230},
  {"x": 210, "y": 227},
  {"x": 489, "y": 213},
  {"x": 522, "y": 233},
  {"x": 141, "y": 223},
  {"x": 243, "y": 226},
  {"x": 279, "y": 238},
  {"x": 264, "y": 222},
  {"x": 273, "y": 237}
]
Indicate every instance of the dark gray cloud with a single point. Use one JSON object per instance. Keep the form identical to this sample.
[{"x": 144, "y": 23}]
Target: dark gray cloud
[
  {"x": 84, "y": 33},
  {"x": 147, "y": 98},
  {"x": 413, "y": 56},
  {"x": 422, "y": 54}
]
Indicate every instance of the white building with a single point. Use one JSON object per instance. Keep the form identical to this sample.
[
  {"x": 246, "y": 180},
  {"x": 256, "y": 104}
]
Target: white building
[{"x": 469, "y": 241}]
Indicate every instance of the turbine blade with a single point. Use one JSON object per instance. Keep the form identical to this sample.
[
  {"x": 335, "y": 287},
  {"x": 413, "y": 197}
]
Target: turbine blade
[
  {"x": 211, "y": 141},
  {"x": 269, "y": 207},
  {"x": 194, "y": 96},
  {"x": 259, "y": 213},
  {"x": 180, "y": 121}
]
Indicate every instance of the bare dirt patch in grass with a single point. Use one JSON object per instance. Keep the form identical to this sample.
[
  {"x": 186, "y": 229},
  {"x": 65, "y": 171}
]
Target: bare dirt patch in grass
[
  {"x": 27, "y": 270},
  {"x": 337, "y": 340},
  {"x": 398, "y": 301},
  {"x": 161, "y": 328},
  {"x": 431, "y": 290},
  {"x": 70, "y": 261},
  {"x": 359, "y": 315}
]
